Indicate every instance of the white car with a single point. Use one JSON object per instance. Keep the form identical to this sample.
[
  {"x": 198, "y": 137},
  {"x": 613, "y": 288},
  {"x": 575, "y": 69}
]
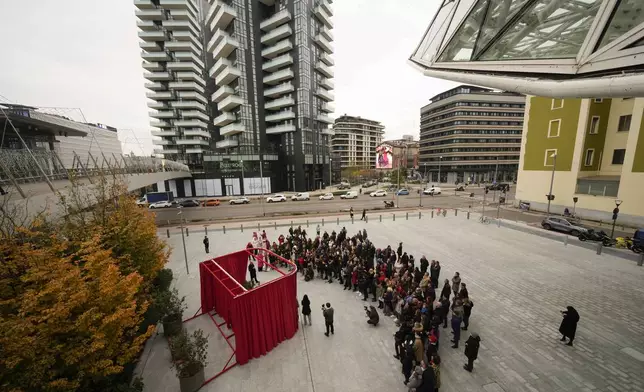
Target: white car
[
  {"x": 275, "y": 198},
  {"x": 161, "y": 204},
  {"x": 326, "y": 196},
  {"x": 432, "y": 191},
  {"x": 378, "y": 193},
  {"x": 240, "y": 200}
]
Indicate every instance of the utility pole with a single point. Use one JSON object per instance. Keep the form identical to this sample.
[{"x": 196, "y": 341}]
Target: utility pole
[
  {"x": 183, "y": 240},
  {"x": 261, "y": 177},
  {"x": 439, "y": 169},
  {"x": 242, "y": 170},
  {"x": 552, "y": 181},
  {"x": 496, "y": 170}
]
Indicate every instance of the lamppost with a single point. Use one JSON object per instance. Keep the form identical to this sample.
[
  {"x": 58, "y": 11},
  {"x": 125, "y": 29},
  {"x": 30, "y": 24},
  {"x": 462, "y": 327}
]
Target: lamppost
[
  {"x": 615, "y": 212},
  {"x": 183, "y": 240},
  {"x": 496, "y": 170},
  {"x": 330, "y": 172},
  {"x": 552, "y": 181},
  {"x": 241, "y": 161},
  {"x": 439, "y": 169},
  {"x": 261, "y": 178},
  {"x": 398, "y": 187}
]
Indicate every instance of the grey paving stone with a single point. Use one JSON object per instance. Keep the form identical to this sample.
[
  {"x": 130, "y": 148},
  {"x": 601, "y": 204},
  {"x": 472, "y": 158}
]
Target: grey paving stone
[{"x": 518, "y": 282}]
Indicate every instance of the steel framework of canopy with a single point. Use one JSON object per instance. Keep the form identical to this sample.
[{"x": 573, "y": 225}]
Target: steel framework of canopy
[{"x": 566, "y": 48}]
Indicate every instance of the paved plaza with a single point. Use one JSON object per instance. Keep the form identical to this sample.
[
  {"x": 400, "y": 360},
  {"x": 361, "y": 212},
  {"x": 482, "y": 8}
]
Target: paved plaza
[{"x": 518, "y": 281}]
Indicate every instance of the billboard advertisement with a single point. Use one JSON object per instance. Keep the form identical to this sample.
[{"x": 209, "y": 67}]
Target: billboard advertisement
[{"x": 384, "y": 157}]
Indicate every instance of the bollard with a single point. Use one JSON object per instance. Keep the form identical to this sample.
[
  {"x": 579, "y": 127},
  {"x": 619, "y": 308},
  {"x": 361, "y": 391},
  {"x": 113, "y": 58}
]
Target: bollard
[
  {"x": 406, "y": 215},
  {"x": 498, "y": 222},
  {"x": 258, "y": 228},
  {"x": 337, "y": 221},
  {"x": 323, "y": 221},
  {"x": 242, "y": 227},
  {"x": 351, "y": 220},
  {"x": 206, "y": 229},
  {"x": 168, "y": 232},
  {"x": 275, "y": 225},
  {"x": 419, "y": 214},
  {"x": 599, "y": 248},
  {"x": 307, "y": 223},
  {"x": 380, "y": 218},
  {"x": 394, "y": 217},
  {"x": 224, "y": 229},
  {"x": 468, "y": 215},
  {"x": 291, "y": 224},
  {"x": 566, "y": 241},
  {"x": 366, "y": 219},
  {"x": 432, "y": 213},
  {"x": 187, "y": 232},
  {"x": 641, "y": 260},
  {"x": 455, "y": 211}
]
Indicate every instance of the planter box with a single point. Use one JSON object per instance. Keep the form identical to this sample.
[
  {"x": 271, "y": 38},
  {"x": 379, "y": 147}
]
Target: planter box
[
  {"x": 172, "y": 328},
  {"x": 192, "y": 384}
]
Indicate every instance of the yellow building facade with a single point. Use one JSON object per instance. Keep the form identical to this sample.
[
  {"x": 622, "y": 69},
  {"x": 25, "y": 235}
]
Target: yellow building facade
[{"x": 595, "y": 149}]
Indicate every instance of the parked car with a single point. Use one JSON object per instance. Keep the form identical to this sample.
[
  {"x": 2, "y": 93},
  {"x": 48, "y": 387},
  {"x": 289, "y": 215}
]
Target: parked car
[
  {"x": 240, "y": 200},
  {"x": 344, "y": 185},
  {"x": 378, "y": 193},
  {"x": 498, "y": 187},
  {"x": 276, "y": 198},
  {"x": 160, "y": 204},
  {"x": 402, "y": 192},
  {"x": 369, "y": 184},
  {"x": 189, "y": 203},
  {"x": 211, "y": 203},
  {"x": 350, "y": 195},
  {"x": 434, "y": 190},
  {"x": 327, "y": 196},
  {"x": 461, "y": 187},
  {"x": 563, "y": 225},
  {"x": 300, "y": 196}
]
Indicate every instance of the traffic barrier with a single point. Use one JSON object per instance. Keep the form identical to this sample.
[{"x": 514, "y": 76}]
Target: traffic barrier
[{"x": 599, "y": 248}]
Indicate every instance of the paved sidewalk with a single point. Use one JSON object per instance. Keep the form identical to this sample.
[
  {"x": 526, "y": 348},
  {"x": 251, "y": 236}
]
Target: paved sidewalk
[{"x": 519, "y": 282}]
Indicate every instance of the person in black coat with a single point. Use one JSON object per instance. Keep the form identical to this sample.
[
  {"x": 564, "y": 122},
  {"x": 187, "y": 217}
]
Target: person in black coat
[
  {"x": 306, "y": 309},
  {"x": 447, "y": 290},
  {"x": 568, "y": 325},
  {"x": 429, "y": 380},
  {"x": 424, "y": 264},
  {"x": 471, "y": 351},
  {"x": 467, "y": 312},
  {"x": 399, "y": 250},
  {"x": 253, "y": 272},
  {"x": 434, "y": 272}
]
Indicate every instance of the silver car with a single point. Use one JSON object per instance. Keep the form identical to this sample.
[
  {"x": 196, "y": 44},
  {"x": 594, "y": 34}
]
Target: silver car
[{"x": 563, "y": 225}]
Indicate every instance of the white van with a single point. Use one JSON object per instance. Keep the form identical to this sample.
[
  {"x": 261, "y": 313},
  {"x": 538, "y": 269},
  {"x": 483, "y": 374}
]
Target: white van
[
  {"x": 350, "y": 195},
  {"x": 300, "y": 196}
]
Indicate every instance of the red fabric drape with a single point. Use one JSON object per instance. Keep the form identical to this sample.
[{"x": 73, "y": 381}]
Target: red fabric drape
[
  {"x": 236, "y": 264},
  {"x": 265, "y": 317}
]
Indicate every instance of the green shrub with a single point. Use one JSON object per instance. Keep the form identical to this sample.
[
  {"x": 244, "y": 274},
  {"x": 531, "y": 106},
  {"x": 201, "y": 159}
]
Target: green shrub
[
  {"x": 163, "y": 280},
  {"x": 188, "y": 353}
]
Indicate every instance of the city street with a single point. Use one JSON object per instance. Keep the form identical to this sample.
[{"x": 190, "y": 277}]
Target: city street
[{"x": 519, "y": 282}]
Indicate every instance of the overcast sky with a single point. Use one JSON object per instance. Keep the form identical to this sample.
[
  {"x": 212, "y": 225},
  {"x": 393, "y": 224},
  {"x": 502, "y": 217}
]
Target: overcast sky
[{"x": 84, "y": 54}]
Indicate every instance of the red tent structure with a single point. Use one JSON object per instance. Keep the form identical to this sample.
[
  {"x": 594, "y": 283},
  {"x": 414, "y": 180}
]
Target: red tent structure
[{"x": 260, "y": 318}]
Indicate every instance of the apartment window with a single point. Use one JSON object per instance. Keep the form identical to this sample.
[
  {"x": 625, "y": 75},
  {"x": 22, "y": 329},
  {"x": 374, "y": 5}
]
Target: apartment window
[
  {"x": 554, "y": 128},
  {"x": 548, "y": 158},
  {"x": 590, "y": 154},
  {"x": 594, "y": 125},
  {"x": 557, "y": 103},
  {"x": 618, "y": 156},
  {"x": 624, "y": 123},
  {"x": 599, "y": 100}
]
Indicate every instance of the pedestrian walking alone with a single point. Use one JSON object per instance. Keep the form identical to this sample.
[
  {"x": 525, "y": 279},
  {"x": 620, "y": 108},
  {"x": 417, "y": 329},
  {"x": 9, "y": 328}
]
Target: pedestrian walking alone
[
  {"x": 328, "y": 318},
  {"x": 471, "y": 351},
  {"x": 306, "y": 309},
  {"x": 568, "y": 325},
  {"x": 206, "y": 244},
  {"x": 364, "y": 214}
]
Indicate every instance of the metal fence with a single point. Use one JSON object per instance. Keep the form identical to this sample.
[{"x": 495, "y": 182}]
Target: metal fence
[{"x": 33, "y": 166}]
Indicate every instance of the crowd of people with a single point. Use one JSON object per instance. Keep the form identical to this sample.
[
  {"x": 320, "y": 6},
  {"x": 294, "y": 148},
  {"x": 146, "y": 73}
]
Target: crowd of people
[{"x": 406, "y": 290}]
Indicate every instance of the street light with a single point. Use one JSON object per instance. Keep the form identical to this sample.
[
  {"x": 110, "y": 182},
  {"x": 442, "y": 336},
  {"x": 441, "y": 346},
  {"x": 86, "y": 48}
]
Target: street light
[
  {"x": 330, "y": 172},
  {"x": 439, "y": 170},
  {"x": 496, "y": 170},
  {"x": 261, "y": 177},
  {"x": 241, "y": 161},
  {"x": 183, "y": 240},
  {"x": 615, "y": 212},
  {"x": 552, "y": 181}
]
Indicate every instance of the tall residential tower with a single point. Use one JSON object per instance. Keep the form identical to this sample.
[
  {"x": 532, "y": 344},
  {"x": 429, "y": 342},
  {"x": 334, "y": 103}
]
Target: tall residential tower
[
  {"x": 355, "y": 141},
  {"x": 266, "y": 85}
]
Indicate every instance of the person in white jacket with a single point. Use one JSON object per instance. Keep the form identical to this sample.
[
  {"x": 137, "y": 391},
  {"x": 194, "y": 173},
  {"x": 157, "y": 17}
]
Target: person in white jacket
[{"x": 416, "y": 379}]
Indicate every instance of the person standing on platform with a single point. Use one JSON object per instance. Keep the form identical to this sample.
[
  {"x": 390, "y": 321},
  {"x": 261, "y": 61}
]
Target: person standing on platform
[
  {"x": 471, "y": 351},
  {"x": 206, "y": 244},
  {"x": 253, "y": 272},
  {"x": 328, "y": 318},
  {"x": 306, "y": 309}
]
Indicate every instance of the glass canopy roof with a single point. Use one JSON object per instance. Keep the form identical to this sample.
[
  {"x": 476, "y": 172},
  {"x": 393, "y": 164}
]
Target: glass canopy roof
[{"x": 552, "y": 36}]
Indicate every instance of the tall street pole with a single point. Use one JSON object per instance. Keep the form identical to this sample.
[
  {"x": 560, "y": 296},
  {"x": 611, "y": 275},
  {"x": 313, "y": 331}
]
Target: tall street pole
[
  {"x": 552, "y": 181},
  {"x": 330, "y": 172},
  {"x": 398, "y": 188},
  {"x": 261, "y": 177},
  {"x": 242, "y": 184},
  {"x": 496, "y": 170},
  {"x": 439, "y": 169},
  {"x": 183, "y": 240}
]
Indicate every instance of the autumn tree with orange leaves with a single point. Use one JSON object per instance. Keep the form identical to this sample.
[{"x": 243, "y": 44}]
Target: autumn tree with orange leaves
[{"x": 74, "y": 293}]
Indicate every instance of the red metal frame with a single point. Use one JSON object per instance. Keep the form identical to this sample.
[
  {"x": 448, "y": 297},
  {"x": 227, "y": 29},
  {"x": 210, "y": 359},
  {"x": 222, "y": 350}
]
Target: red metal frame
[{"x": 199, "y": 312}]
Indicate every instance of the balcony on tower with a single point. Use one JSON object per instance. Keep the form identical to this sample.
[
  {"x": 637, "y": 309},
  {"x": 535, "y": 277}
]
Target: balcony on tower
[
  {"x": 188, "y": 105},
  {"x": 324, "y": 94},
  {"x": 195, "y": 150},
  {"x": 190, "y": 76},
  {"x": 192, "y": 95},
  {"x": 323, "y": 43},
  {"x": 224, "y": 119},
  {"x": 232, "y": 129},
  {"x": 165, "y": 133},
  {"x": 149, "y": 46},
  {"x": 278, "y": 62},
  {"x": 323, "y": 16},
  {"x": 279, "y": 76},
  {"x": 144, "y": 4},
  {"x": 277, "y": 34},
  {"x": 221, "y": 93},
  {"x": 192, "y": 123},
  {"x": 325, "y": 119},
  {"x": 324, "y": 69},
  {"x": 186, "y": 86},
  {"x": 155, "y": 56},
  {"x": 160, "y": 124},
  {"x": 160, "y": 96},
  {"x": 197, "y": 132},
  {"x": 227, "y": 76},
  {"x": 153, "y": 35},
  {"x": 150, "y": 14},
  {"x": 282, "y": 46},
  {"x": 281, "y": 116},
  {"x": 222, "y": 15},
  {"x": 326, "y": 59},
  {"x": 277, "y": 104},
  {"x": 183, "y": 46},
  {"x": 327, "y": 83},
  {"x": 183, "y": 66},
  {"x": 174, "y": 4},
  {"x": 156, "y": 86},
  {"x": 225, "y": 47},
  {"x": 229, "y": 103},
  {"x": 164, "y": 114},
  {"x": 327, "y": 108},
  {"x": 227, "y": 143},
  {"x": 147, "y": 25},
  {"x": 278, "y": 90},
  {"x": 278, "y": 19},
  {"x": 195, "y": 114},
  {"x": 192, "y": 142},
  {"x": 280, "y": 128},
  {"x": 162, "y": 142},
  {"x": 326, "y": 33},
  {"x": 327, "y": 7}
]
